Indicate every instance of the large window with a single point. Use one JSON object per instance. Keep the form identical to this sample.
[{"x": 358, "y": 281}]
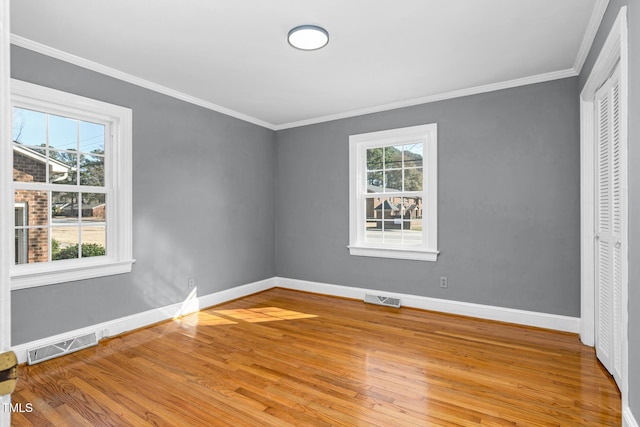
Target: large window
[
  {"x": 393, "y": 193},
  {"x": 71, "y": 187}
]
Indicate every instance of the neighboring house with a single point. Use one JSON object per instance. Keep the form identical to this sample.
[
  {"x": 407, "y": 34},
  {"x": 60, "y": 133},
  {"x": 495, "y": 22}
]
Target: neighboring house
[
  {"x": 31, "y": 206},
  {"x": 70, "y": 209},
  {"x": 405, "y": 214},
  {"x": 98, "y": 211}
]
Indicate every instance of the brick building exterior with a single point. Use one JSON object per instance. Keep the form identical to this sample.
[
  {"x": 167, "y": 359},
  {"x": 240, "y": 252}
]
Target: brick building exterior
[{"x": 31, "y": 207}]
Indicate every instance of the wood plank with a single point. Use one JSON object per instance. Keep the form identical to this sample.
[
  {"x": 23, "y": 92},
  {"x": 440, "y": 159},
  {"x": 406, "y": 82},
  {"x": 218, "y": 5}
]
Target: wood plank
[{"x": 284, "y": 357}]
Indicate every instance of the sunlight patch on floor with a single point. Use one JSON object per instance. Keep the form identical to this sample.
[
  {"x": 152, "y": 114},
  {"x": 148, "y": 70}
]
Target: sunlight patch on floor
[
  {"x": 263, "y": 314},
  {"x": 202, "y": 318}
]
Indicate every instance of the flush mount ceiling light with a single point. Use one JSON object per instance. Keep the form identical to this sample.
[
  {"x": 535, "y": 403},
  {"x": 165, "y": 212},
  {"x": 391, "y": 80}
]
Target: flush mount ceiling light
[{"x": 308, "y": 37}]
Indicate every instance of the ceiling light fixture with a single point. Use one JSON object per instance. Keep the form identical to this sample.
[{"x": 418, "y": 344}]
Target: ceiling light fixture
[{"x": 308, "y": 37}]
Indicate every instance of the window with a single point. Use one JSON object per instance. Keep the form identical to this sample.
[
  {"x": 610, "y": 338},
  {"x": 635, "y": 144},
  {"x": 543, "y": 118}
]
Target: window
[
  {"x": 71, "y": 187},
  {"x": 393, "y": 193}
]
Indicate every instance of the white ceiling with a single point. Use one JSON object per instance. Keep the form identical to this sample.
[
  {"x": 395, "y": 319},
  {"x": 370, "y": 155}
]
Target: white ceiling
[{"x": 233, "y": 56}]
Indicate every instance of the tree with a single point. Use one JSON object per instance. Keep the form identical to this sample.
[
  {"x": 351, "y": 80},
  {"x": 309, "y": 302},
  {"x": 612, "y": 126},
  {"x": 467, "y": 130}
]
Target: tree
[
  {"x": 18, "y": 125},
  {"x": 92, "y": 169},
  {"x": 385, "y": 166}
]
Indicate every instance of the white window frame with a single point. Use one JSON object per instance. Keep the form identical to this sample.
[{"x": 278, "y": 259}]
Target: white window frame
[
  {"x": 358, "y": 145},
  {"x": 118, "y": 180}
]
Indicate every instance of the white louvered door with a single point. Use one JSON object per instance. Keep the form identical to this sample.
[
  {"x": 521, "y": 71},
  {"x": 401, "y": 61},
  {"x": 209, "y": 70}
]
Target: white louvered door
[{"x": 610, "y": 201}]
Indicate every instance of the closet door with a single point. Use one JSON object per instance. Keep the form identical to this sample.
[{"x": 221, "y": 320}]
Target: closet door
[{"x": 610, "y": 202}]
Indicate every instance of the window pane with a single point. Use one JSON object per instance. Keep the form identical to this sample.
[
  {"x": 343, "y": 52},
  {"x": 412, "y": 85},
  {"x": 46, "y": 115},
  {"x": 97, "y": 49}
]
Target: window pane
[
  {"x": 392, "y": 232},
  {"x": 94, "y": 240},
  {"x": 91, "y": 138},
  {"x": 393, "y": 157},
  {"x": 413, "y": 179},
  {"x": 384, "y": 208},
  {"x": 31, "y": 207},
  {"x": 21, "y": 247},
  {"x": 374, "y": 158},
  {"x": 65, "y": 243},
  {"x": 396, "y": 204},
  {"x": 413, "y": 155},
  {"x": 63, "y": 133},
  {"x": 31, "y": 245},
  {"x": 29, "y": 165},
  {"x": 373, "y": 234},
  {"x": 62, "y": 167},
  {"x": 93, "y": 207},
  {"x": 369, "y": 208},
  {"x": 92, "y": 170},
  {"x": 20, "y": 215},
  {"x": 412, "y": 207},
  {"x": 412, "y": 224},
  {"x": 64, "y": 207},
  {"x": 373, "y": 223},
  {"x": 393, "y": 180},
  {"x": 375, "y": 182},
  {"x": 29, "y": 127},
  {"x": 413, "y": 234}
]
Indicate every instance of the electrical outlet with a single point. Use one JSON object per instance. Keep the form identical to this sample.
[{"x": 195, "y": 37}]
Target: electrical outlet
[
  {"x": 191, "y": 283},
  {"x": 444, "y": 282}
]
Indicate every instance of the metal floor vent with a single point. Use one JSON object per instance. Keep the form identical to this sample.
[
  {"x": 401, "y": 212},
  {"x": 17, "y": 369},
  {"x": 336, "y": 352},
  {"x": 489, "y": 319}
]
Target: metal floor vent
[
  {"x": 380, "y": 300},
  {"x": 50, "y": 351}
]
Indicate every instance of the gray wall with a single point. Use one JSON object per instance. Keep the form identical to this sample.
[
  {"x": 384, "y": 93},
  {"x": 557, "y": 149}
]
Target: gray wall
[
  {"x": 203, "y": 186},
  {"x": 633, "y": 16},
  {"x": 508, "y": 201}
]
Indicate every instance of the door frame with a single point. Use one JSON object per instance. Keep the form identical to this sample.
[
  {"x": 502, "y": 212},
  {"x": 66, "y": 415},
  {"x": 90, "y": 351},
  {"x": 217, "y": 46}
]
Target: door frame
[
  {"x": 613, "y": 51},
  {"x": 6, "y": 202}
]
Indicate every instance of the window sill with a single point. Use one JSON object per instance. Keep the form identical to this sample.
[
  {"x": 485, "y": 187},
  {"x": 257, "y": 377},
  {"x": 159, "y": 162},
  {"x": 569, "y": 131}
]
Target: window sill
[
  {"x": 46, "y": 275},
  {"x": 413, "y": 255}
]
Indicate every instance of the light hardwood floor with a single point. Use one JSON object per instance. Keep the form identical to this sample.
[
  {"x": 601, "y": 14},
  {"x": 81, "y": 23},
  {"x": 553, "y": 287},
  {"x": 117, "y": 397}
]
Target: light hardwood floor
[{"x": 283, "y": 357}]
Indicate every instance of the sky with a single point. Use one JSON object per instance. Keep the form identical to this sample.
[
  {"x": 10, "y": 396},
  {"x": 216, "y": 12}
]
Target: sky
[{"x": 31, "y": 128}]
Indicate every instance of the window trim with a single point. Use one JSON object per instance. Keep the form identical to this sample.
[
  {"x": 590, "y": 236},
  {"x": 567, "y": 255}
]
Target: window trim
[
  {"x": 358, "y": 144},
  {"x": 118, "y": 170}
]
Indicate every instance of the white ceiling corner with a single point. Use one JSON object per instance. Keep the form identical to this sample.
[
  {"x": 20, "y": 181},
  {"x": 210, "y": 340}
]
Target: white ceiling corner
[{"x": 590, "y": 33}]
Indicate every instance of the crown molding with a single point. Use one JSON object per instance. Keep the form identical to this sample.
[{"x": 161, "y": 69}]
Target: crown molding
[
  {"x": 590, "y": 34},
  {"x": 129, "y": 78},
  {"x": 538, "y": 78}
]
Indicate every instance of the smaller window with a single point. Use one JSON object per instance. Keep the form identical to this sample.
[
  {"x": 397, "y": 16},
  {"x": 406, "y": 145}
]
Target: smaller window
[{"x": 393, "y": 193}]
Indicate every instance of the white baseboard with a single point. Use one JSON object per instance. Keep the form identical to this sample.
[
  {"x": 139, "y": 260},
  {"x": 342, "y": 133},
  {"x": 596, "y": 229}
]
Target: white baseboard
[
  {"x": 510, "y": 315},
  {"x": 140, "y": 320},
  {"x": 628, "y": 420}
]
